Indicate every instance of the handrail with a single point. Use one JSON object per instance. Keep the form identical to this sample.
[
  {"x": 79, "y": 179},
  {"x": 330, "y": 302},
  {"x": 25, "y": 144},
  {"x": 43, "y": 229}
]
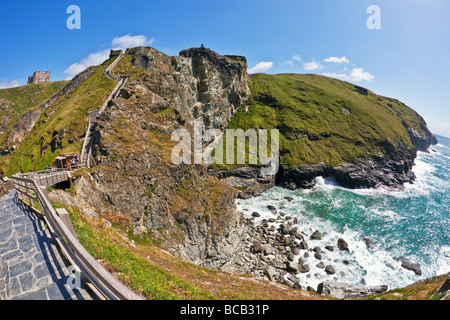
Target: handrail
[
  {"x": 107, "y": 286},
  {"x": 86, "y": 150}
]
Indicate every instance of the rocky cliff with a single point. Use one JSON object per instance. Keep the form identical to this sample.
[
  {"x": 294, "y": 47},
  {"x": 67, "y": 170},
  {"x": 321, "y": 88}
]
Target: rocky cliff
[
  {"x": 134, "y": 181},
  {"x": 359, "y": 138},
  {"x": 19, "y": 111},
  {"x": 327, "y": 128},
  {"x": 331, "y": 128}
]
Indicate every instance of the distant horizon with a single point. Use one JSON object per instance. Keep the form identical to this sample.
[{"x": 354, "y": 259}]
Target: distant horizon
[
  {"x": 406, "y": 55},
  {"x": 441, "y": 136}
]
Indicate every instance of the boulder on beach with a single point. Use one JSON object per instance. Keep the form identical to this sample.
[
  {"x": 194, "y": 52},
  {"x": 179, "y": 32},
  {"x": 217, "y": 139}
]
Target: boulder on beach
[
  {"x": 342, "y": 290},
  {"x": 342, "y": 244},
  {"x": 329, "y": 269},
  {"x": 412, "y": 266},
  {"x": 316, "y": 235}
]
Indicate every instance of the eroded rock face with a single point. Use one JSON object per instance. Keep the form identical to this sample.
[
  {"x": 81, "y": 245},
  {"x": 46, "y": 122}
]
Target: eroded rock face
[
  {"x": 22, "y": 127},
  {"x": 392, "y": 171},
  {"x": 421, "y": 141},
  {"x": 343, "y": 290},
  {"x": 134, "y": 181},
  {"x": 247, "y": 180},
  {"x": 200, "y": 83}
]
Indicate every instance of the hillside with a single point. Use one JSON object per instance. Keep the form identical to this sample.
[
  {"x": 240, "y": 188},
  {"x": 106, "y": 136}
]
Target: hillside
[
  {"x": 16, "y": 101},
  {"x": 333, "y": 128},
  {"x": 327, "y": 127},
  {"x": 49, "y": 129}
]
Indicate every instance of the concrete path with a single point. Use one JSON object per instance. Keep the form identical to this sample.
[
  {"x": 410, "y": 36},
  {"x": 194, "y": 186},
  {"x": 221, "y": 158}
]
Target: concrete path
[{"x": 31, "y": 266}]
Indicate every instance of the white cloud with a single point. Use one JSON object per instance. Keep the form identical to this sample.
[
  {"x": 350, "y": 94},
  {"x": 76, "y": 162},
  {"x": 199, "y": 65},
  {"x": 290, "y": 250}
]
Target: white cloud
[
  {"x": 96, "y": 58},
  {"x": 290, "y": 62},
  {"x": 438, "y": 126},
  {"x": 335, "y": 75},
  {"x": 312, "y": 65},
  {"x": 129, "y": 41},
  {"x": 5, "y": 83},
  {"x": 261, "y": 67},
  {"x": 92, "y": 60},
  {"x": 336, "y": 60},
  {"x": 356, "y": 75}
]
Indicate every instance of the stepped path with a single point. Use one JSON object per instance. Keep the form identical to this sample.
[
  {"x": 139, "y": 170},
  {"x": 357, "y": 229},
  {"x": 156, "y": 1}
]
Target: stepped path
[
  {"x": 39, "y": 250},
  {"x": 31, "y": 266},
  {"x": 93, "y": 115}
]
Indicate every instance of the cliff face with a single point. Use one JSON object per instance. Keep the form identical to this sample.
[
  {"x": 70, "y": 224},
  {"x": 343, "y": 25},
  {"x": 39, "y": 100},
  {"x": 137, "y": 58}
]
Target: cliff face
[
  {"x": 19, "y": 111},
  {"x": 199, "y": 83},
  {"x": 135, "y": 183},
  {"x": 332, "y": 128}
]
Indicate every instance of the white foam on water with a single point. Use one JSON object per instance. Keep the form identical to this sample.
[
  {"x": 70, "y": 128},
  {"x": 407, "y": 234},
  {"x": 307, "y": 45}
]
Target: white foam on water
[
  {"x": 362, "y": 265},
  {"x": 326, "y": 182},
  {"x": 383, "y": 212},
  {"x": 440, "y": 145},
  {"x": 359, "y": 265},
  {"x": 422, "y": 168},
  {"x": 426, "y": 181},
  {"x": 443, "y": 261}
]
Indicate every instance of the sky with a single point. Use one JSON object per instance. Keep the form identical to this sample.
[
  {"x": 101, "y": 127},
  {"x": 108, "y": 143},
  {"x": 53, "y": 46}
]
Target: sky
[{"x": 406, "y": 56}]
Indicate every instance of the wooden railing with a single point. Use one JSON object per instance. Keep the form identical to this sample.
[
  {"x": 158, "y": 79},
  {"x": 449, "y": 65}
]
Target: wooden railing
[
  {"x": 104, "y": 285},
  {"x": 32, "y": 185},
  {"x": 86, "y": 150}
]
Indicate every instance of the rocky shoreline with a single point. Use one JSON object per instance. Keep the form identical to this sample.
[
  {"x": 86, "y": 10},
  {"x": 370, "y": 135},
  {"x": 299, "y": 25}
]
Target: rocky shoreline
[
  {"x": 274, "y": 249},
  {"x": 392, "y": 170}
]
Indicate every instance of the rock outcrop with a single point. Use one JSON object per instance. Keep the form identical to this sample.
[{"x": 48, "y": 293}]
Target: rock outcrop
[
  {"x": 411, "y": 265},
  {"x": 22, "y": 127},
  {"x": 422, "y": 141},
  {"x": 200, "y": 83},
  {"x": 247, "y": 180},
  {"x": 134, "y": 181},
  {"x": 391, "y": 171},
  {"x": 342, "y": 290}
]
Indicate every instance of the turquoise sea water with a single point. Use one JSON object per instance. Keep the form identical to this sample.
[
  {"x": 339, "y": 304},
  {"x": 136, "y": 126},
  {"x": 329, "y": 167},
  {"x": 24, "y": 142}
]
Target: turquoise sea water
[{"x": 414, "y": 224}]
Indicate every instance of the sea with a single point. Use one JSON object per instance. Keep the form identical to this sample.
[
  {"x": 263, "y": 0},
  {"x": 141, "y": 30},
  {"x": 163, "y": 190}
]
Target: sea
[{"x": 413, "y": 224}]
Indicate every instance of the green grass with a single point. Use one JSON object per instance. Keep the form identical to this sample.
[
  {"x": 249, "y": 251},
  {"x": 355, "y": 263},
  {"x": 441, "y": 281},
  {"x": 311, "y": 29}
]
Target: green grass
[
  {"x": 69, "y": 114},
  {"x": 135, "y": 270},
  {"x": 157, "y": 275},
  {"x": 324, "y": 119},
  {"x": 30, "y": 95},
  {"x": 125, "y": 68},
  {"x": 25, "y": 98}
]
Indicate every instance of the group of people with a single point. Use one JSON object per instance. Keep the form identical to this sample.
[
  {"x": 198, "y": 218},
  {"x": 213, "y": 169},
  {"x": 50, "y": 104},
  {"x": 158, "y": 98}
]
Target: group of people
[{"x": 75, "y": 160}]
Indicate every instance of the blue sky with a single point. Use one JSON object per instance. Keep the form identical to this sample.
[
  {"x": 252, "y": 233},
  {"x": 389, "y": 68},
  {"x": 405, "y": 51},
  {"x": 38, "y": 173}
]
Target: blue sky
[{"x": 408, "y": 58}]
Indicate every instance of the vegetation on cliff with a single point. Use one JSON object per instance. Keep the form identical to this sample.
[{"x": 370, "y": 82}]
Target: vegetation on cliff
[
  {"x": 61, "y": 127},
  {"x": 158, "y": 275},
  {"x": 321, "y": 119},
  {"x": 182, "y": 208},
  {"x": 15, "y": 101}
]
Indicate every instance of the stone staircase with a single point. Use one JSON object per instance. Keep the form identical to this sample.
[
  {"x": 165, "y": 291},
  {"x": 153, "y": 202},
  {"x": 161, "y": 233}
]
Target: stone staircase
[
  {"x": 92, "y": 116},
  {"x": 31, "y": 265}
]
